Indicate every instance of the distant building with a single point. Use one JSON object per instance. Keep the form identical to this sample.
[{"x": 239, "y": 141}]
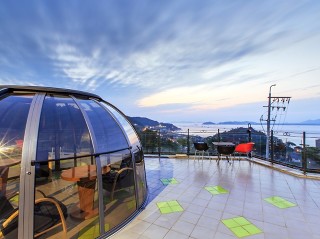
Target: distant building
[{"x": 318, "y": 143}]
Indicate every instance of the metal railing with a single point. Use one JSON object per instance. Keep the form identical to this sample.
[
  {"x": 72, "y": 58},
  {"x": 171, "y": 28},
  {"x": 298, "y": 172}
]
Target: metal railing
[{"x": 291, "y": 149}]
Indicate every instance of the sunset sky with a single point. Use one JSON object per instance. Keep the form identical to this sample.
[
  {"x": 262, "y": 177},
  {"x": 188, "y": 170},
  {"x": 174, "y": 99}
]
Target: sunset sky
[{"x": 169, "y": 60}]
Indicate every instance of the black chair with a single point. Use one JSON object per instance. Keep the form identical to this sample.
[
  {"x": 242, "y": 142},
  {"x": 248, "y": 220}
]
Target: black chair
[
  {"x": 226, "y": 150},
  {"x": 117, "y": 180},
  {"x": 49, "y": 213},
  {"x": 200, "y": 148}
]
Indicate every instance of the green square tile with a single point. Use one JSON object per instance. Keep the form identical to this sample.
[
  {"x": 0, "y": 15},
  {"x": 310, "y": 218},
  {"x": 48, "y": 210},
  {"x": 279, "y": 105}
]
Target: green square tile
[
  {"x": 216, "y": 190},
  {"x": 279, "y": 202},
  {"x": 14, "y": 199},
  {"x": 164, "y": 181},
  {"x": 162, "y": 204},
  {"x": 269, "y": 200},
  {"x": 279, "y": 199},
  {"x": 287, "y": 203},
  {"x": 96, "y": 231},
  {"x": 169, "y": 207},
  {"x": 252, "y": 229},
  {"x": 131, "y": 204},
  {"x": 221, "y": 189},
  {"x": 165, "y": 210},
  {"x": 167, "y": 181},
  {"x": 177, "y": 208},
  {"x": 173, "y": 203},
  {"x": 88, "y": 230},
  {"x": 86, "y": 236},
  {"x": 230, "y": 223},
  {"x": 241, "y": 227},
  {"x": 92, "y": 230},
  {"x": 241, "y": 221},
  {"x": 106, "y": 227},
  {"x": 173, "y": 181},
  {"x": 290, "y": 204},
  {"x": 239, "y": 232},
  {"x": 209, "y": 188},
  {"x": 283, "y": 205}
]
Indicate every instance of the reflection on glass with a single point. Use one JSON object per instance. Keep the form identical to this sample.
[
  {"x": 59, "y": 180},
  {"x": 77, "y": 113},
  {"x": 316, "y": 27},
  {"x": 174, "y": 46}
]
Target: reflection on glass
[
  {"x": 140, "y": 176},
  {"x": 137, "y": 153},
  {"x": 14, "y": 112},
  {"x": 133, "y": 138},
  {"x": 107, "y": 132},
  {"x": 62, "y": 134},
  {"x": 65, "y": 173},
  {"x": 118, "y": 187},
  {"x": 75, "y": 191}
]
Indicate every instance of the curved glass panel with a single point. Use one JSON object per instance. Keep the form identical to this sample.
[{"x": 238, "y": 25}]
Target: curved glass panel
[
  {"x": 63, "y": 131},
  {"x": 14, "y": 111},
  {"x": 133, "y": 138},
  {"x": 137, "y": 153},
  {"x": 140, "y": 176},
  {"x": 118, "y": 187},
  {"x": 66, "y": 176},
  {"x": 108, "y": 133}
]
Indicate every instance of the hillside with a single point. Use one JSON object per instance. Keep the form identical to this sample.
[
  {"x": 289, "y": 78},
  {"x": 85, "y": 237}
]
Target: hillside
[
  {"x": 143, "y": 122},
  {"x": 208, "y": 123},
  {"x": 311, "y": 122}
]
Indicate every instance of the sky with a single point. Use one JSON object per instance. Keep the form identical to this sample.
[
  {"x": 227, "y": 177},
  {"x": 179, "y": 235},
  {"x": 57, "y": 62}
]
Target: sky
[{"x": 170, "y": 60}]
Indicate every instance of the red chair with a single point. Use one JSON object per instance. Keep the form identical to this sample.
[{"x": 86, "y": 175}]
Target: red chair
[{"x": 244, "y": 148}]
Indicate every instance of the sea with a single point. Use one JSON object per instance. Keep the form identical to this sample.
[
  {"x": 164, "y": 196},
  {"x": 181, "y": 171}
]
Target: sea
[{"x": 286, "y": 132}]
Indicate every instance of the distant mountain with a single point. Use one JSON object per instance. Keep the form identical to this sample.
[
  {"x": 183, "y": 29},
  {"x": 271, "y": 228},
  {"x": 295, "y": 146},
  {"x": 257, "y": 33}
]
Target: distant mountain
[
  {"x": 239, "y": 122},
  {"x": 208, "y": 123},
  {"x": 312, "y": 122},
  {"x": 143, "y": 122},
  {"x": 242, "y": 130}
]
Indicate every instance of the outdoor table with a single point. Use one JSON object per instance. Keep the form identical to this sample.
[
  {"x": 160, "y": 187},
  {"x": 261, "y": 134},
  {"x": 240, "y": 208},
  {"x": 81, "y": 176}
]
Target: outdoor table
[
  {"x": 224, "y": 148},
  {"x": 85, "y": 176},
  {"x": 4, "y": 172}
]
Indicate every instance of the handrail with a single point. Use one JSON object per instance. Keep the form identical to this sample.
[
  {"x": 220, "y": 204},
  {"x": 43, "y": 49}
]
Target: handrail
[
  {"x": 33, "y": 162},
  {"x": 287, "y": 149}
]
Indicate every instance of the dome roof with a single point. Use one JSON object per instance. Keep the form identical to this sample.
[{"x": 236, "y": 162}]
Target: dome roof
[{"x": 74, "y": 147}]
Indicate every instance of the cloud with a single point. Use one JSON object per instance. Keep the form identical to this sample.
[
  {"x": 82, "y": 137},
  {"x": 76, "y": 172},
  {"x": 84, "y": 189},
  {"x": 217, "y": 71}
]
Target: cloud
[
  {"x": 199, "y": 54},
  {"x": 82, "y": 70},
  {"x": 207, "y": 96}
]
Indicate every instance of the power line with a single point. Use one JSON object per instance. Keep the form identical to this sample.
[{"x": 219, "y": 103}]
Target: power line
[{"x": 276, "y": 104}]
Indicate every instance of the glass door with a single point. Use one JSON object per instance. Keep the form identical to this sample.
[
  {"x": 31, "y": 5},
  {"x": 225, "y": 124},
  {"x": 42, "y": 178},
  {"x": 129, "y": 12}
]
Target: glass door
[
  {"x": 66, "y": 192},
  {"x": 14, "y": 113}
]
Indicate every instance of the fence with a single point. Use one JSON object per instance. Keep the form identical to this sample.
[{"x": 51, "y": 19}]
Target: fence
[{"x": 286, "y": 148}]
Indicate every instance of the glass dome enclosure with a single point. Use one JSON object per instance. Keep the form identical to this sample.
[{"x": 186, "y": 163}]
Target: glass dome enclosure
[{"x": 71, "y": 165}]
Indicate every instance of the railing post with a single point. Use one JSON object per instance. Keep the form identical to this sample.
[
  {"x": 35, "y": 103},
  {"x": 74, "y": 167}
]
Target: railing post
[
  {"x": 188, "y": 143},
  {"x": 249, "y": 132},
  {"x": 304, "y": 153},
  {"x": 219, "y": 136},
  {"x": 159, "y": 144},
  {"x": 271, "y": 142}
]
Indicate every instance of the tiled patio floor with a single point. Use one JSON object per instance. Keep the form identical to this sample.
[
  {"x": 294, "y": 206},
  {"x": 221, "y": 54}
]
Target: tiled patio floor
[{"x": 205, "y": 212}]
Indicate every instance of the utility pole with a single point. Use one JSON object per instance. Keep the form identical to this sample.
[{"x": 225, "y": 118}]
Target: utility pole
[
  {"x": 268, "y": 123},
  {"x": 271, "y": 100}
]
